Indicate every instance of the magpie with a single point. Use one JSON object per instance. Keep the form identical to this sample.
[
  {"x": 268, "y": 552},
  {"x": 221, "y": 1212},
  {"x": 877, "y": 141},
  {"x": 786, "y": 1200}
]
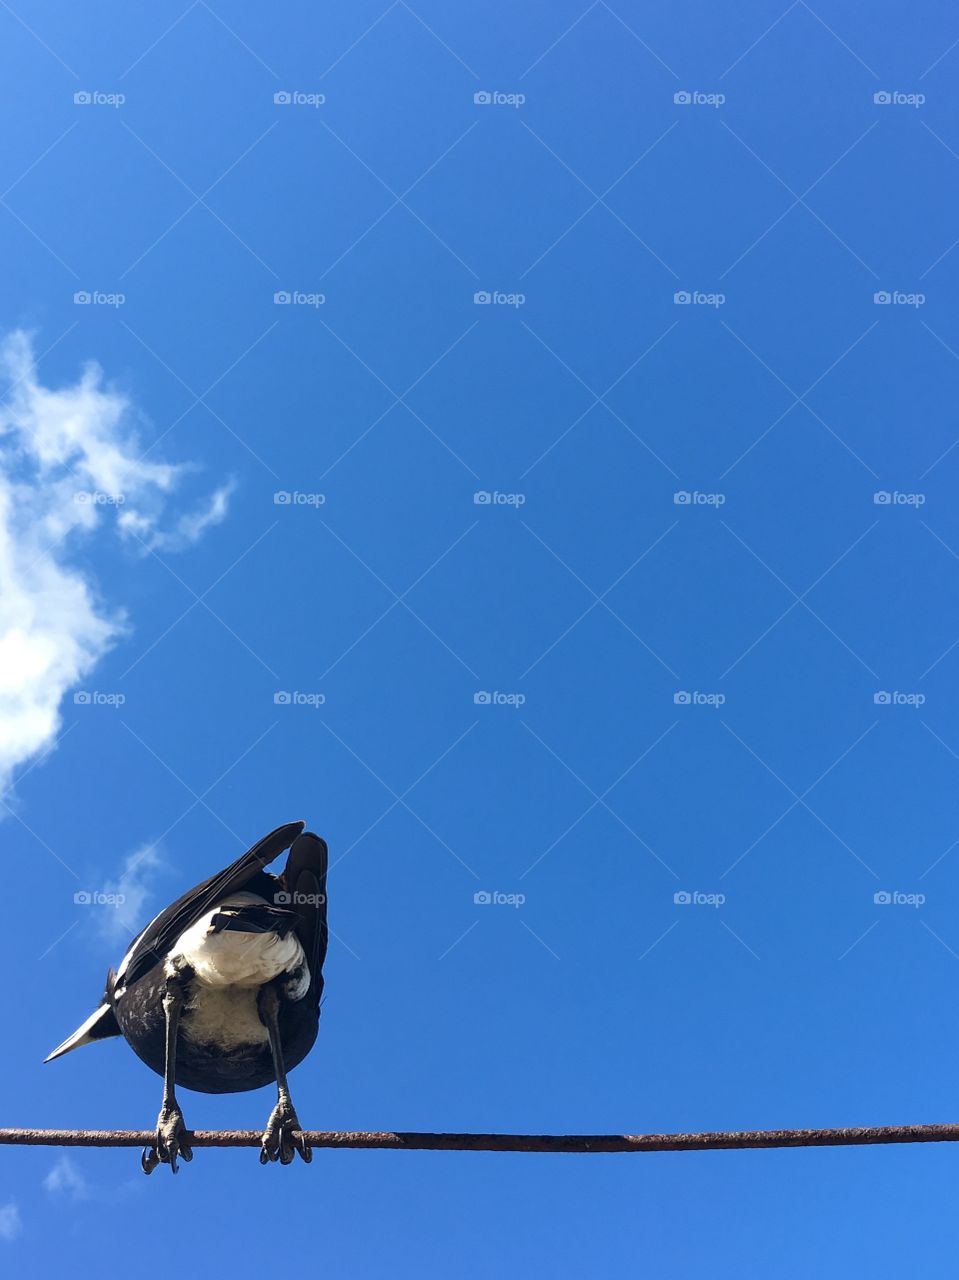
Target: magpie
[{"x": 221, "y": 991}]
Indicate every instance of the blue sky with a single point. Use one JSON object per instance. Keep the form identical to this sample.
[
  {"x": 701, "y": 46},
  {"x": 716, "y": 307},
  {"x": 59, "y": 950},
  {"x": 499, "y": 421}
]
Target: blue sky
[{"x": 608, "y": 359}]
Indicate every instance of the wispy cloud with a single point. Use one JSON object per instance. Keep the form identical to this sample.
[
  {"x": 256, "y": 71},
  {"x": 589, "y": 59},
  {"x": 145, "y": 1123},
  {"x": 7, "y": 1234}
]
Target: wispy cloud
[
  {"x": 11, "y": 1224},
  {"x": 71, "y": 463},
  {"x": 132, "y": 888},
  {"x": 67, "y": 1180},
  {"x": 191, "y": 527}
]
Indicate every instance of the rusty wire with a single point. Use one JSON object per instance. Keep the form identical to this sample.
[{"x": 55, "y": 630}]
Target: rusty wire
[{"x": 582, "y": 1144}]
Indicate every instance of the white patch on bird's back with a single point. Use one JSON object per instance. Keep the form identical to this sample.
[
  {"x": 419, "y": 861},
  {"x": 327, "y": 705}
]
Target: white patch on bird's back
[
  {"x": 124, "y": 963},
  {"x": 298, "y": 983},
  {"x": 233, "y": 959}
]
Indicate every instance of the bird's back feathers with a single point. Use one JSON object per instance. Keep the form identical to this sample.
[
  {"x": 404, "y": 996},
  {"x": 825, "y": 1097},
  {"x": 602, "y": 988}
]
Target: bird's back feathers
[{"x": 153, "y": 944}]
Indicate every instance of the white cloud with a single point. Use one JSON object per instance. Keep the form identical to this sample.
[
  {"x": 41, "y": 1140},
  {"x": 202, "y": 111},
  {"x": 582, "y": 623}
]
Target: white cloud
[
  {"x": 66, "y": 1179},
  {"x": 189, "y": 528},
  {"x": 70, "y": 464},
  {"x": 133, "y": 887},
  {"x": 10, "y": 1222}
]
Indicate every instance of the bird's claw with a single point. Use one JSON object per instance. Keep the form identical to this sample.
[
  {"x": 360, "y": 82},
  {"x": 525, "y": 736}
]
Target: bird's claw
[
  {"x": 283, "y": 1137},
  {"x": 170, "y": 1142}
]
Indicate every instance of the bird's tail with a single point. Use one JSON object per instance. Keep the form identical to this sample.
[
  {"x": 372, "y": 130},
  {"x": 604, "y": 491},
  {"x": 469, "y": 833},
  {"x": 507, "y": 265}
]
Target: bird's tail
[{"x": 100, "y": 1025}]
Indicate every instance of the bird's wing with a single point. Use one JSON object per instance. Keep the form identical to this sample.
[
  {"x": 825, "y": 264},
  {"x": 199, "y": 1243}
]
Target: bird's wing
[
  {"x": 305, "y": 882},
  {"x": 153, "y": 944}
]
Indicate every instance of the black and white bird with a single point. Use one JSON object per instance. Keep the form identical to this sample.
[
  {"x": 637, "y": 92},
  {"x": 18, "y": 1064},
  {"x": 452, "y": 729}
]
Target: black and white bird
[{"x": 221, "y": 992}]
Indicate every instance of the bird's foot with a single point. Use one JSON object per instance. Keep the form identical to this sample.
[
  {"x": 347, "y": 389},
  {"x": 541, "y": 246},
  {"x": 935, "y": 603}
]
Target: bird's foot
[
  {"x": 169, "y": 1143},
  {"x": 283, "y": 1136}
]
